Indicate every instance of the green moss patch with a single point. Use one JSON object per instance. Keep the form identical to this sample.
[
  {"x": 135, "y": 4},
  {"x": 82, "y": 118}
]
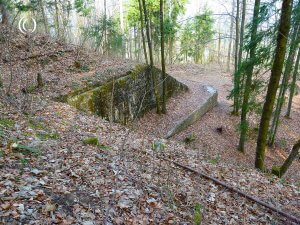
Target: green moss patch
[
  {"x": 91, "y": 141},
  {"x": 6, "y": 123},
  {"x": 46, "y": 136}
]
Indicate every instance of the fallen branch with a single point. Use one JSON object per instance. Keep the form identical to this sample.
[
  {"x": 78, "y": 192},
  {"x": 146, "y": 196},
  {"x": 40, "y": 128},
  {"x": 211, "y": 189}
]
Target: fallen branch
[{"x": 288, "y": 216}]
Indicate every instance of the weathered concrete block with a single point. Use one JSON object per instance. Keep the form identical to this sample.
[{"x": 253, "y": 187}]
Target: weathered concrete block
[
  {"x": 210, "y": 102},
  {"x": 121, "y": 98}
]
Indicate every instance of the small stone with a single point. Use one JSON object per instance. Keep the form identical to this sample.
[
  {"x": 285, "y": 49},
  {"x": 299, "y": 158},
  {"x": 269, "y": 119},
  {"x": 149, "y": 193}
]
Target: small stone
[
  {"x": 21, "y": 208},
  {"x": 211, "y": 197},
  {"x": 88, "y": 223},
  {"x": 147, "y": 211}
]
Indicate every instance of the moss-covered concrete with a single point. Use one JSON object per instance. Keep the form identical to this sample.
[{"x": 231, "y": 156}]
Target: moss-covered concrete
[{"x": 121, "y": 98}]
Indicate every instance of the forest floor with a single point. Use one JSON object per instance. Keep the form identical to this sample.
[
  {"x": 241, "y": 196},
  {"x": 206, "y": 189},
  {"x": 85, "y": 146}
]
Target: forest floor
[
  {"x": 122, "y": 180},
  {"x": 220, "y": 146}
]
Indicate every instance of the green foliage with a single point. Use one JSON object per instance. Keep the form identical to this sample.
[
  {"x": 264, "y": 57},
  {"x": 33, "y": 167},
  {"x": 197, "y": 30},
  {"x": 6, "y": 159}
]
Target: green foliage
[
  {"x": 197, "y": 33},
  {"x": 276, "y": 171},
  {"x": 43, "y": 136},
  {"x": 171, "y": 14},
  {"x": 6, "y": 123},
  {"x": 198, "y": 214},
  {"x": 95, "y": 33},
  {"x": 158, "y": 146},
  {"x": 25, "y": 149},
  {"x": 192, "y": 137},
  {"x": 91, "y": 141},
  {"x": 215, "y": 161},
  {"x": 83, "y": 7},
  {"x": 35, "y": 125}
]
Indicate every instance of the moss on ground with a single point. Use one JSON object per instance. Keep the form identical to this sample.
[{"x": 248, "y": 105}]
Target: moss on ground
[{"x": 91, "y": 141}]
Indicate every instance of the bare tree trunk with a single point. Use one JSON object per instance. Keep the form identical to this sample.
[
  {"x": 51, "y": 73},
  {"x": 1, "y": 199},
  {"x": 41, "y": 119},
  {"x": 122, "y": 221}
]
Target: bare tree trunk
[
  {"x": 154, "y": 80},
  {"x": 105, "y": 30},
  {"x": 45, "y": 20},
  {"x": 242, "y": 33},
  {"x": 57, "y": 18},
  {"x": 230, "y": 39},
  {"x": 237, "y": 35},
  {"x": 293, "y": 86},
  {"x": 249, "y": 71},
  {"x": 4, "y": 13},
  {"x": 135, "y": 39},
  {"x": 121, "y": 16},
  {"x": 163, "y": 66},
  {"x": 219, "y": 48},
  {"x": 288, "y": 162},
  {"x": 142, "y": 31},
  {"x": 237, "y": 43},
  {"x": 284, "y": 86},
  {"x": 171, "y": 50},
  {"x": 283, "y": 33}
]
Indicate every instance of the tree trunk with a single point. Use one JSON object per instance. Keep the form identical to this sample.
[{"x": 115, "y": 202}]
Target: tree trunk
[
  {"x": 237, "y": 91},
  {"x": 219, "y": 47},
  {"x": 288, "y": 162},
  {"x": 237, "y": 43},
  {"x": 153, "y": 76},
  {"x": 283, "y": 33},
  {"x": 57, "y": 19},
  {"x": 171, "y": 50},
  {"x": 284, "y": 86},
  {"x": 121, "y": 16},
  {"x": 4, "y": 13},
  {"x": 293, "y": 86},
  {"x": 105, "y": 31},
  {"x": 237, "y": 35},
  {"x": 230, "y": 38},
  {"x": 45, "y": 20},
  {"x": 163, "y": 66},
  {"x": 135, "y": 39},
  {"x": 249, "y": 72},
  {"x": 242, "y": 34},
  {"x": 142, "y": 32}
]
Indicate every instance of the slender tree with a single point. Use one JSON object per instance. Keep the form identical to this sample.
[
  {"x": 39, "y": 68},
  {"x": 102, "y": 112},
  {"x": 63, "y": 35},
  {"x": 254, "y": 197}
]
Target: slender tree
[
  {"x": 239, "y": 62},
  {"x": 105, "y": 29},
  {"x": 153, "y": 76},
  {"x": 288, "y": 162},
  {"x": 230, "y": 37},
  {"x": 283, "y": 33},
  {"x": 293, "y": 85},
  {"x": 45, "y": 20},
  {"x": 121, "y": 16},
  {"x": 142, "y": 31},
  {"x": 237, "y": 37},
  {"x": 4, "y": 12},
  {"x": 242, "y": 33},
  {"x": 163, "y": 66},
  {"x": 249, "y": 72},
  {"x": 284, "y": 86}
]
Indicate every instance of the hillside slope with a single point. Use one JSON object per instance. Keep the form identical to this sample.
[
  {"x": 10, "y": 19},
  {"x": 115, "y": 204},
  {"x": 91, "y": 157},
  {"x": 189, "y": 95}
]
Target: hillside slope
[{"x": 52, "y": 171}]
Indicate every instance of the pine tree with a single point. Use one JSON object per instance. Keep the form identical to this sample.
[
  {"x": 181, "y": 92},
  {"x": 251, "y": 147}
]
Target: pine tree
[{"x": 249, "y": 72}]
